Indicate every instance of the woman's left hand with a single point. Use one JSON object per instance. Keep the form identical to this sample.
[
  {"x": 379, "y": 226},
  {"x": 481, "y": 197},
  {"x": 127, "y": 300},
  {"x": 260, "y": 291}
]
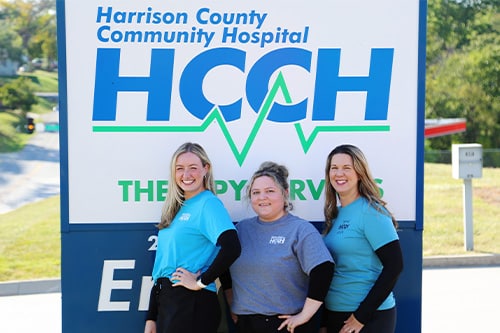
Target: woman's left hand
[
  {"x": 291, "y": 322},
  {"x": 185, "y": 278},
  {"x": 351, "y": 325},
  {"x": 311, "y": 306}
]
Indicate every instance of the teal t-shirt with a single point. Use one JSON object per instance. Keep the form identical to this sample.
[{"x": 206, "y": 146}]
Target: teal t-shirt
[
  {"x": 357, "y": 232},
  {"x": 190, "y": 240}
]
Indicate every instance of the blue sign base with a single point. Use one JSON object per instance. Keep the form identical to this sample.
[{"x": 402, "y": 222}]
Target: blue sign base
[
  {"x": 106, "y": 279},
  {"x": 104, "y": 275}
]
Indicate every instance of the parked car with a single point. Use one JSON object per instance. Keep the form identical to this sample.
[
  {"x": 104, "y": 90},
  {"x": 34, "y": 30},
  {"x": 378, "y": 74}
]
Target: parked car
[{"x": 37, "y": 63}]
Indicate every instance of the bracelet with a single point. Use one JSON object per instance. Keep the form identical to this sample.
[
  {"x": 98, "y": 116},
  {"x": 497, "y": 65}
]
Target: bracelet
[{"x": 200, "y": 284}]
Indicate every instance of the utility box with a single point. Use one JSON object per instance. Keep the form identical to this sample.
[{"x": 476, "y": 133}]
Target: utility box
[{"x": 467, "y": 160}]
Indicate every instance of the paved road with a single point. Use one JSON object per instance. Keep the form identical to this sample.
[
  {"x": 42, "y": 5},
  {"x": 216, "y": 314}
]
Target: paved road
[
  {"x": 458, "y": 300},
  {"x": 461, "y": 300},
  {"x": 33, "y": 173}
]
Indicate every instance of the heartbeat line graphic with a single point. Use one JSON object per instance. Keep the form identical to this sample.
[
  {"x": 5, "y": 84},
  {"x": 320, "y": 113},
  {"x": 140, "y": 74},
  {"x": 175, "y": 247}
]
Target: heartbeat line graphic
[{"x": 215, "y": 116}]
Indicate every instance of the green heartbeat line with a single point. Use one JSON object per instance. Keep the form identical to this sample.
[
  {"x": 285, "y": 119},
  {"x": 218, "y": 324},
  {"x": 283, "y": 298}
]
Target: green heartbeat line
[{"x": 215, "y": 115}]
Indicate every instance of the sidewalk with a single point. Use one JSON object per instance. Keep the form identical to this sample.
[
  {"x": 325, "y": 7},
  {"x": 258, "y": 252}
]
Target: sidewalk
[
  {"x": 30, "y": 287},
  {"x": 465, "y": 260}
]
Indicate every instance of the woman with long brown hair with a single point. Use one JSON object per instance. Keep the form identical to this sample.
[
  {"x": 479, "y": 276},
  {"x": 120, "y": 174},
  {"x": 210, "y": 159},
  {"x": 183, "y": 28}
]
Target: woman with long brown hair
[{"x": 360, "y": 233}]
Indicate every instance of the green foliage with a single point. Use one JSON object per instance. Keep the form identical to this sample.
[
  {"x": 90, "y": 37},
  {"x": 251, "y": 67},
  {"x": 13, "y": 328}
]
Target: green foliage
[
  {"x": 34, "y": 23},
  {"x": 10, "y": 44},
  {"x": 43, "y": 43},
  {"x": 18, "y": 94},
  {"x": 453, "y": 24},
  {"x": 11, "y": 121},
  {"x": 463, "y": 69}
]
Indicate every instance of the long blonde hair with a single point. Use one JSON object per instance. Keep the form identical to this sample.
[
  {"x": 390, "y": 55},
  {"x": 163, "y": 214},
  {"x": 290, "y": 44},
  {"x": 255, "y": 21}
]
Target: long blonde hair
[
  {"x": 367, "y": 187},
  {"x": 175, "y": 195}
]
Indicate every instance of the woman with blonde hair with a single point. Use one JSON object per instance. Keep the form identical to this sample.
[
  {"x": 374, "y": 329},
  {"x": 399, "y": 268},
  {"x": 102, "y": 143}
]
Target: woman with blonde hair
[
  {"x": 360, "y": 233},
  {"x": 197, "y": 241}
]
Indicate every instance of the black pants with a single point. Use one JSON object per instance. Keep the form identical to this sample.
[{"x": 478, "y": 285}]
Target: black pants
[
  {"x": 270, "y": 324},
  {"x": 383, "y": 321},
  {"x": 181, "y": 310}
]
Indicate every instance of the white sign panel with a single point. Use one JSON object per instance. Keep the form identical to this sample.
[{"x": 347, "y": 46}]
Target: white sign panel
[{"x": 250, "y": 81}]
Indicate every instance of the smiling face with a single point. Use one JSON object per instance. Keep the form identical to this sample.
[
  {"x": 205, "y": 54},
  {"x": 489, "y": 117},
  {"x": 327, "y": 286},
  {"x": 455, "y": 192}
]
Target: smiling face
[
  {"x": 267, "y": 199},
  {"x": 189, "y": 173},
  {"x": 344, "y": 178}
]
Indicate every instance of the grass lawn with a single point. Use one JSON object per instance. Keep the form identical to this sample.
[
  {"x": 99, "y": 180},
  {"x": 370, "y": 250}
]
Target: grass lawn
[
  {"x": 443, "y": 211},
  {"x": 30, "y": 236},
  {"x": 10, "y": 138},
  {"x": 43, "y": 81},
  {"x": 30, "y": 246}
]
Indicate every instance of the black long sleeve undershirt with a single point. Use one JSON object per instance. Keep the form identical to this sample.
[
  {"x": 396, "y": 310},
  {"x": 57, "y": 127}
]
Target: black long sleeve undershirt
[
  {"x": 320, "y": 278},
  {"x": 391, "y": 257},
  {"x": 226, "y": 282},
  {"x": 230, "y": 250}
]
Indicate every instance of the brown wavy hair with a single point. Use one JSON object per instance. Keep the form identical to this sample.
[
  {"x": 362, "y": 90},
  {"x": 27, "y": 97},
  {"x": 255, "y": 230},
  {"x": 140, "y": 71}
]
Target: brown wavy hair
[{"x": 367, "y": 187}]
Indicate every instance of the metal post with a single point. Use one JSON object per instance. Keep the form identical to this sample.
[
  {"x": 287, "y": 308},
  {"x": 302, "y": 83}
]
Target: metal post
[{"x": 468, "y": 225}]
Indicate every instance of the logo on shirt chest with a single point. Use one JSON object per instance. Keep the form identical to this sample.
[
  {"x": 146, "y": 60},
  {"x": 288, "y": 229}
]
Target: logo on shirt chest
[
  {"x": 343, "y": 227},
  {"x": 277, "y": 240},
  {"x": 184, "y": 217}
]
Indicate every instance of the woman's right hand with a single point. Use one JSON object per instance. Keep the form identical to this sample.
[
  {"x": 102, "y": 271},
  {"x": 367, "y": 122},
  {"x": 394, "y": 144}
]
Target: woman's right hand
[{"x": 150, "y": 326}]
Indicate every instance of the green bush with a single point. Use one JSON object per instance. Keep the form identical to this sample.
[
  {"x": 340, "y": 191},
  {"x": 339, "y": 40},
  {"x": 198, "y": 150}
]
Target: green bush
[{"x": 18, "y": 94}]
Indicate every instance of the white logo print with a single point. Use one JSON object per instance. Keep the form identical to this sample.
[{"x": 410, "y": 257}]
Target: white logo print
[
  {"x": 185, "y": 217},
  {"x": 277, "y": 240}
]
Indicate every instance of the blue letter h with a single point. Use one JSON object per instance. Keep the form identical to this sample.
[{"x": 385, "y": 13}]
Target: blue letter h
[
  {"x": 377, "y": 84},
  {"x": 108, "y": 83}
]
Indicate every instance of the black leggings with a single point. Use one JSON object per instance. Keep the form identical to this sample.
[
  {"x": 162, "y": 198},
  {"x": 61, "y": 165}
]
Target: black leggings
[
  {"x": 383, "y": 321},
  {"x": 181, "y": 310}
]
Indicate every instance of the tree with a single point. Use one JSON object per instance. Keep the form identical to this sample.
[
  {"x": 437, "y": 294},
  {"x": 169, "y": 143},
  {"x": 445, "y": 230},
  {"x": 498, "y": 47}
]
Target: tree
[
  {"x": 10, "y": 44},
  {"x": 34, "y": 22},
  {"x": 463, "y": 69},
  {"x": 46, "y": 37},
  {"x": 18, "y": 94}
]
